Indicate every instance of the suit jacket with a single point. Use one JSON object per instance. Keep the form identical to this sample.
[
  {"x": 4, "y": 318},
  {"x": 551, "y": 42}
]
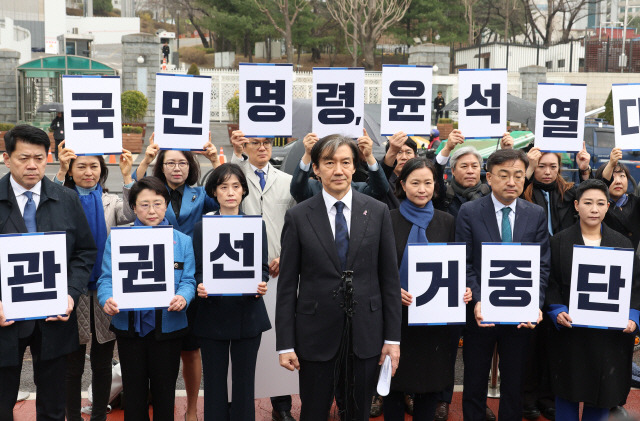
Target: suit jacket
[
  {"x": 308, "y": 313},
  {"x": 59, "y": 210},
  {"x": 476, "y": 224},
  {"x": 195, "y": 203},
  {"x": 271, "y": 203},
  {"x": 302, "y": 187},
  {"x": 224, "y": 318}
]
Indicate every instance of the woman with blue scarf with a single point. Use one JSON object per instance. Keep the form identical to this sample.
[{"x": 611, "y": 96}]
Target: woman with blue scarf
[
  {"x": 425, "y": 367},
  {"x": 149, "y": 341},
  {"x": 87, "y": 176}
]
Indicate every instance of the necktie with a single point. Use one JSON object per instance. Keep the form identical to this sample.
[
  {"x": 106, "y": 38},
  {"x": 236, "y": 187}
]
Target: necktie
[
  {"x": 29, "y": 214},
  {"x": 176, "y": 202},
  {"x": 506, "y": 225},
  {"x": 342, "y": 235},
  {"x": 546, "y": 197},
  {"x": 260, "y": 174}
]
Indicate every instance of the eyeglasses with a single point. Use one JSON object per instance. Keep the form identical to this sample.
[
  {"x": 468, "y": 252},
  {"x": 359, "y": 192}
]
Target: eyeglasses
[
  {"x": 145, "y": 207},
  {"x": 172, "y": 164},
  {"x": 267, "y": 144}
]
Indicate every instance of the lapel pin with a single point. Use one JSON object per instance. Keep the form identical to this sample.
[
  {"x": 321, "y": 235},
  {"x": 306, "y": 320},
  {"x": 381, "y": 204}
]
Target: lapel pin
[
  {"x": 193, "y": 199},
  {"x": 364, "y": 213}
]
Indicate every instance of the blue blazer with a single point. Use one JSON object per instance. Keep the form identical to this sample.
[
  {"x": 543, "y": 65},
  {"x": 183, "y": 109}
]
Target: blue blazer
[
  {"x": 195, "y": 203},
  {"x": 185, "y": 284},
  {"x": 477, "y": 224}
]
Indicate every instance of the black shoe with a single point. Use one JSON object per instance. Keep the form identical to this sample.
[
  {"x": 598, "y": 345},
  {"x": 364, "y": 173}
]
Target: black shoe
[
  {"x": 490, "y": 415},
  {"x": 530, "y": 412},
  {"x": 376, "y": 407},
  {"x": 281, "y": 416},
  {"x": 549, "y": 413},
  {"x": 619, "y": 413},
  {"x": 442, "y": 411}
]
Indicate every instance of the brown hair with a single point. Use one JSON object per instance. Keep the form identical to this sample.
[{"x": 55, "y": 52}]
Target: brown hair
[
  {"x": 562, "y": 184},
  {"x": 194, "y": 168}
]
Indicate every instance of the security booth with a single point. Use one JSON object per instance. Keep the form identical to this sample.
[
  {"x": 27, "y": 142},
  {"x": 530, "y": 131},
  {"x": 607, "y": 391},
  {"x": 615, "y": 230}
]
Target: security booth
[
  {"x": 169, "y": 38},
  {"x": 75, "y": 44}
]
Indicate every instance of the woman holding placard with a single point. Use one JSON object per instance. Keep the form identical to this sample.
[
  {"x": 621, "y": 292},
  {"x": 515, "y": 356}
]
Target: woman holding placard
[
  {"x": 229, "y": 326},
  {"x": 425, "y": 366},
  {"x": 150, "y": 341},
  {"x": 588, "y": 365},
  {"x": 87, "y": 176}
]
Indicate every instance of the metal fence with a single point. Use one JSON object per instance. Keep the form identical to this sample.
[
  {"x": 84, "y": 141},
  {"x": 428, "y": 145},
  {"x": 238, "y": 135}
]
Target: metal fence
[{"x": 605, "y": 55}]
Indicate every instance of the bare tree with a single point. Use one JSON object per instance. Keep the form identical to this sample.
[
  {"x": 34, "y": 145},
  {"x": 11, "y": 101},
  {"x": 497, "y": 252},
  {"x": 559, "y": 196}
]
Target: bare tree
[
  {"x": 288, "y": 16},
  {"x": 468, "y": 16},
  {"x": 364, "y": 22}
]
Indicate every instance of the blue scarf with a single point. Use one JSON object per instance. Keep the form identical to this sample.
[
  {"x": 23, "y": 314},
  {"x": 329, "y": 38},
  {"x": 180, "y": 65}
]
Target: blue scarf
[
  {"x": 91, "y": 200},
  {"x": 420, "y": 218},
  {"x": 621, "y": 201},
  {"x": 144, "y": 321}
]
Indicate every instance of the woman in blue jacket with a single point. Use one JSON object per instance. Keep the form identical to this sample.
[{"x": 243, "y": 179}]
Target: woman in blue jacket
[
  {"x": 229, "y": 326},
  {"x": 150, "y": 341}
]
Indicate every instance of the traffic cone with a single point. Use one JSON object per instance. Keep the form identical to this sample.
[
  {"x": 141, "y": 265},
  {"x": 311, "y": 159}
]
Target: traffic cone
[
  {"x": 221, "y": 157},
  {"x": 112, "y": 159},
  {"x": 49, "y": 157},
  {"x": 164, "y": 64}
]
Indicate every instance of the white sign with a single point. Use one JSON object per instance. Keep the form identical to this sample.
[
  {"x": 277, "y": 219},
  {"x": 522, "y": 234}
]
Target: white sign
[
  {"x": 626, "y": 114},
  {"x": 560, "y": 117},
  {"x": 93, "y": 122},
  {"x": 142, "y": 267},
  {"x": 437, "y": 281},
  {"x": 51, "y": 45},
  {"x": 601, "y": 280},
  {"x": 406, "y": 100},
  {"x": 338, "y": 101},
  {"x": 266, "y": 92},
  {"x": 510, "y": 283},
  {"x": 482, "y": 102},
  {"x": 33, "y": 275},
  {"x": 183, "y": 105},
  {"x": 231, "y": 254}
]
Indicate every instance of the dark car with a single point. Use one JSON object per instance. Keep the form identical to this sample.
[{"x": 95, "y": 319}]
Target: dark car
[{"x": 600, "y": 139}]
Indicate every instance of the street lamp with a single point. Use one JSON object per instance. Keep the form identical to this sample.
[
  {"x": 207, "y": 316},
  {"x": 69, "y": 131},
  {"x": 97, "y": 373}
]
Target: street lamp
[{"x": 140, "y": 59}]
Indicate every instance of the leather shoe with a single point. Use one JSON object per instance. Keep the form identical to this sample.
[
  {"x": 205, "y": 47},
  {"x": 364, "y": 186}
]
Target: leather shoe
[
  {"x": 281, "y": 416},
  {"x": 376, "y": 407},
  {"x": 549, "y": 413},
  {"x": 619, "y": 413},
  {"x": 531, "y": 412},
  {"x": 442, "y": 411},
  {"x": 408, "y": 404},
  {"x": 490, "y": 415}
]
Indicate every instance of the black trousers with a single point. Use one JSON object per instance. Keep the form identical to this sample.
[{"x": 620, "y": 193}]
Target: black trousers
[
  {"x": 537, "y": 379},
  {"x": 281, "y": 403},
  {"x": 439, "y": 114},
  {"x": 317, "y": 387},
  {"x": 479, "y": 343},
  {"x": 424, "y": 406},
  {"x": 148, "y": 362},
  {"x": 447, "y": 394},
  {"x": 50, "y": 397},
  {"x": 215, "y": 366}
]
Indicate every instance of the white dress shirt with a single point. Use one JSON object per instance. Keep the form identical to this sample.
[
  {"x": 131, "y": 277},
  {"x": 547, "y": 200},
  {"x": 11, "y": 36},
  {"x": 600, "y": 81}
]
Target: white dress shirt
[
  {"x": 18, "y": 190},
  {"x": 512, "y": 215}
]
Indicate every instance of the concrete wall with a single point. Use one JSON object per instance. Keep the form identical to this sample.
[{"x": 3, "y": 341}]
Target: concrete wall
[
  {"x": 429, "y": 55},
  {"x": 598, "y": 84},
  {"x": 141, "y": 77},
  {"x": 530, "y": 77},
  {"x": 8, "y": 85},
  {"x": 15, "y": 38},
  {"x": 105, "y": 30}
]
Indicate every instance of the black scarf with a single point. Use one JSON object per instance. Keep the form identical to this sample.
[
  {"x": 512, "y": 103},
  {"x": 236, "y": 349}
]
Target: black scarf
[{"x": 470, "y": 193}]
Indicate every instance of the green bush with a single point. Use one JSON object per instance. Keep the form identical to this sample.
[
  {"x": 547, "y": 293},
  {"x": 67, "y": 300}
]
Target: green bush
[
  {"x": 233, "y": 107},
  {"x": 608, "y": 110},
  {"x": 134, "y": 106},
  {"x": 445, "y": 121},
  {"x": 193, "y": 70},
  {"x": 455, "y": 125},
  {"x": 4, "y": 127},
  {"x": 131, "y": 129}
]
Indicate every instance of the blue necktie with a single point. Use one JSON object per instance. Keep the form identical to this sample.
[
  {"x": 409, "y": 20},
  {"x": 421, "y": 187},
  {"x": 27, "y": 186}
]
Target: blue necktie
[
  {"x": 29, "y": 214},
  {"x": 342, "y": 235},
  {"x": 506, "y": 225},
  {"x": 260, "y": 174},
  {"x": 546, "y": 197}
]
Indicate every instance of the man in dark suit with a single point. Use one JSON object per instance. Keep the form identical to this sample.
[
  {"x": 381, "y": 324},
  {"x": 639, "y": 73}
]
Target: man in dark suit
[
  {"x": 31, "y": 203},
  {"x": 336, "y": 231},
  {"x": 303, "y": 188},
  {"x": 498, "y": 217}
]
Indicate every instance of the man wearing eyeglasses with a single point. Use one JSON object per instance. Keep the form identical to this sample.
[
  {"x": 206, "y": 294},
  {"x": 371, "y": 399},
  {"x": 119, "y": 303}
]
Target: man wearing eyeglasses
[
  {"x": 499, "y": 217},
  {"x": 268, "y": 196}
]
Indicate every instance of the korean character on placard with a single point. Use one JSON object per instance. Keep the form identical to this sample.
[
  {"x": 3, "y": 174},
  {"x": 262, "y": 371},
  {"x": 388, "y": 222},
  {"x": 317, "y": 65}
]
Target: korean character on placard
[
  {"x": 438, "y": 282},
  {"x": 176, "y": 103},
  {"x": 625, "y": 104},
  {"x": 141, "y": 267},
  {"x": 226, "y": 249},
  {"x": 339, "y": 96},
  {"x": 489, "y": 100},
  {"x": 406, "y": 94},
  {"x": 270, "y": 96},
  {"x": 509, "y": 275},
  {"x": 612, "y": 287},
  {"x": 33, "y": 275},
  {"x": 562, "y": 118},
  {"x": 93, "y": 115}
]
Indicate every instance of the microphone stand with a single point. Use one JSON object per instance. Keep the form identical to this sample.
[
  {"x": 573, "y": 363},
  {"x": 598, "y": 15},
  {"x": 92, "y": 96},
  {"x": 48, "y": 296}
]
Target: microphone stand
[{"x": 346, "y": 357}]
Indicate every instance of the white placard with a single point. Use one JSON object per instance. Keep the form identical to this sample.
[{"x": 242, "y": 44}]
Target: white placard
[
  {"x": 560, "y": 117},
  {"x": 406, "y": 100},
  {"x": 231, "y": 254},
  {"x": 437, "y": 281},
  {"x": 510, "y": 283},
  {"x": 482, "y": 102},
  {"x": 601, "y": 279},
  {"x": 183, "y": 107},
  {"x": 266, "y": 91},
  {"x": 142, "y": 267},
  {"x": 33, "y": 275},
  {"x": 626, "y": 114},
  {"x": 93, "y": 121},
  {"x": 338, "y": 101}
]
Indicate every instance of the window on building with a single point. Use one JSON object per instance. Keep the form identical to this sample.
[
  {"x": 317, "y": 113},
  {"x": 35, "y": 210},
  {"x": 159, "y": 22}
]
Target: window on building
[
  {"x": 549, "y": 65},
  {"x": 561, "y": 64}
]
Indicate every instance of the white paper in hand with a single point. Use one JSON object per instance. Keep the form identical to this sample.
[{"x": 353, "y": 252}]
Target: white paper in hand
[{"x": 384, "y": 381}]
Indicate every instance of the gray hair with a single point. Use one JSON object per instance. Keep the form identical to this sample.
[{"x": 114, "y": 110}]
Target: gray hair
[{"x": 466, "y": 150}]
